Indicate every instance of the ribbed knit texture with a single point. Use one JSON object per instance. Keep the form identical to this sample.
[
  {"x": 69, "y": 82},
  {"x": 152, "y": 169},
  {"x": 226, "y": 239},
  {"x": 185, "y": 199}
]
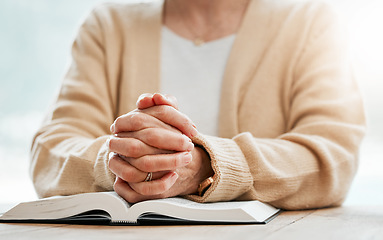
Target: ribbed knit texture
[{"x": 232, "y": 175}]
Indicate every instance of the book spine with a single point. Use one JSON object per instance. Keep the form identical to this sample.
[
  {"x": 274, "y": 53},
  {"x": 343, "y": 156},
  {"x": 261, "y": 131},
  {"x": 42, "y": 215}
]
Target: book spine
[{"x": 123, "y": 222}]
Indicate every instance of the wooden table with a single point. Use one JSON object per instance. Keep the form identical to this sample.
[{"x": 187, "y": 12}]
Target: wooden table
[{"x": 349, "y": 222}]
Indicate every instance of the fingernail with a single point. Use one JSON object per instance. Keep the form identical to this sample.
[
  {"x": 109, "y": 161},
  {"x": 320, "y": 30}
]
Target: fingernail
[
  {"x": 158, "y": 94},
  {"x": 186, "y": 138},
  {"x": 187, "y": 157},
  {"x": 190, "y": 146},
  {"x": 174, "y": 175},
  {"x": 112, "y": 128},
  {"x": 193, "y": 132},
  {"x": 107, "y": 142}
]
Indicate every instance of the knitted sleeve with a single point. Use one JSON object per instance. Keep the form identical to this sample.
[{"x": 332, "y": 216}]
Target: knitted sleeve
[
  {"x": 68, "y": 152},
  {"x": 313, "y": 163}
]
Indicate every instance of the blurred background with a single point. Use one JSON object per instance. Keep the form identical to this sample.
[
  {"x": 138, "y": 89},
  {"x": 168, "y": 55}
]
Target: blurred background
[{"x": 35, "y": 41}]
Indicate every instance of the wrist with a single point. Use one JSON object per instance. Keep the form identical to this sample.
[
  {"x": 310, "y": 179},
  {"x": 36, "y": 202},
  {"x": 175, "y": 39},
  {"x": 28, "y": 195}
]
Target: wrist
[{"x": 205, "y": 173}]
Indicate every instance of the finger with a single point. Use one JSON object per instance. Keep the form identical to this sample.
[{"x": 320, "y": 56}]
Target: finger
[
  {"x": 123, "y": 189},
  {"x": 132, "y": 147},
  {"x": 124, "y": 170},
  {"x": 161, "y": 138},
  {"x": 161, "y": 162},
  {"x": 137, "y": 120},
  {"x": 145, "y": 101},
  {"x": 155, "y": 187},
  {"x": 160, "y": 99},
  {"x": 173, "y": 117}
]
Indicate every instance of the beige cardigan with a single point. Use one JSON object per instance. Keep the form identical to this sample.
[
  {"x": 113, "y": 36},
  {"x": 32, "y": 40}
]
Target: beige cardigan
[{"x": 291, "y": 117}]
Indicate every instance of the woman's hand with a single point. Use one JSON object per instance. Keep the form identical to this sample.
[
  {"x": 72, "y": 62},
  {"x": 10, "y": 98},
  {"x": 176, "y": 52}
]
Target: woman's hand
[
  {"x": 158, "y": 148},
  {"x": 182, "y": 181},
  {"x": 148, "y": 100},
  {"x": 164, "y": 116},
  {"x": 142, "y": 143}
]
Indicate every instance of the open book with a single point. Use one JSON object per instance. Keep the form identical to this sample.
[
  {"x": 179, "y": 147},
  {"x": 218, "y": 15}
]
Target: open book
[{"x": 109, "y": 208}]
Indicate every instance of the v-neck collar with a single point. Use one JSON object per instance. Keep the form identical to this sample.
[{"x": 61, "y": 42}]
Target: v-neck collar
[{"x": 247, "y": 51}]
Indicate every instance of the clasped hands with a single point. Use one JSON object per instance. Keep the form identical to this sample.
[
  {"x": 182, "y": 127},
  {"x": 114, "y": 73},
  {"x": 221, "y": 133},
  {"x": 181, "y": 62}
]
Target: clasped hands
[{"x": 156, "y": 138}]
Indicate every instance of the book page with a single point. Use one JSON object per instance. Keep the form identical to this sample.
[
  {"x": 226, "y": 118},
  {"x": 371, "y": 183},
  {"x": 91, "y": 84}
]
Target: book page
[
  {"x": 66, "y": 206},
  {"x": 244, "y": 211},
  {"x": 195, "y": 205}
]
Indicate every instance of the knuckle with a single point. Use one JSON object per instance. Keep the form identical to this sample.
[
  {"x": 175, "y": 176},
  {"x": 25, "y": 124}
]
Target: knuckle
[
  {"x": 162, "y": 187},
  {"x": 137, "y": 120},
  {"x": 126, "y": 175},
  {"x": 129, "y": 175},
  {"x": 125, "y": 191},
  {"x": 138, "y": 117},
  {"x": 133, "y": 198},
  {"x": 146, "y": 164},
  {"x": 151, "y": 136},
  {"x": 182, "y": 143},
  {"x": 133, "y": 149},
  {"x": 155, "y": 137},
  {"x": 162, "y": 111}
]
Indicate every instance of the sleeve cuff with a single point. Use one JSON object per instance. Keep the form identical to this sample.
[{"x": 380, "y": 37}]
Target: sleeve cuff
[
  {"x": 232, "y": 176},
  {"x": 104, "y": 178}
]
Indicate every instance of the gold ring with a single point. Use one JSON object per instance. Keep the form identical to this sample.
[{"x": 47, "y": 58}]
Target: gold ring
[{"x": 148, "y": 177}]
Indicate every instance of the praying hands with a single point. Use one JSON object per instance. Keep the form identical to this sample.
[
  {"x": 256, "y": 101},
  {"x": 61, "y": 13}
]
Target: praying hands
[{"x": 152, "y": 154}]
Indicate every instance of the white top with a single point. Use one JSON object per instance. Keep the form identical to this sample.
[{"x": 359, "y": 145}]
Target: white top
[{"x": 193, "y": 74}]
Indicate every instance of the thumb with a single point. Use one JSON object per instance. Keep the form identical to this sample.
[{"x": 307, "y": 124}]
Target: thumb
[
  {"x": 145, "y": 101},
  {"x": 160, "y": 99}
]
